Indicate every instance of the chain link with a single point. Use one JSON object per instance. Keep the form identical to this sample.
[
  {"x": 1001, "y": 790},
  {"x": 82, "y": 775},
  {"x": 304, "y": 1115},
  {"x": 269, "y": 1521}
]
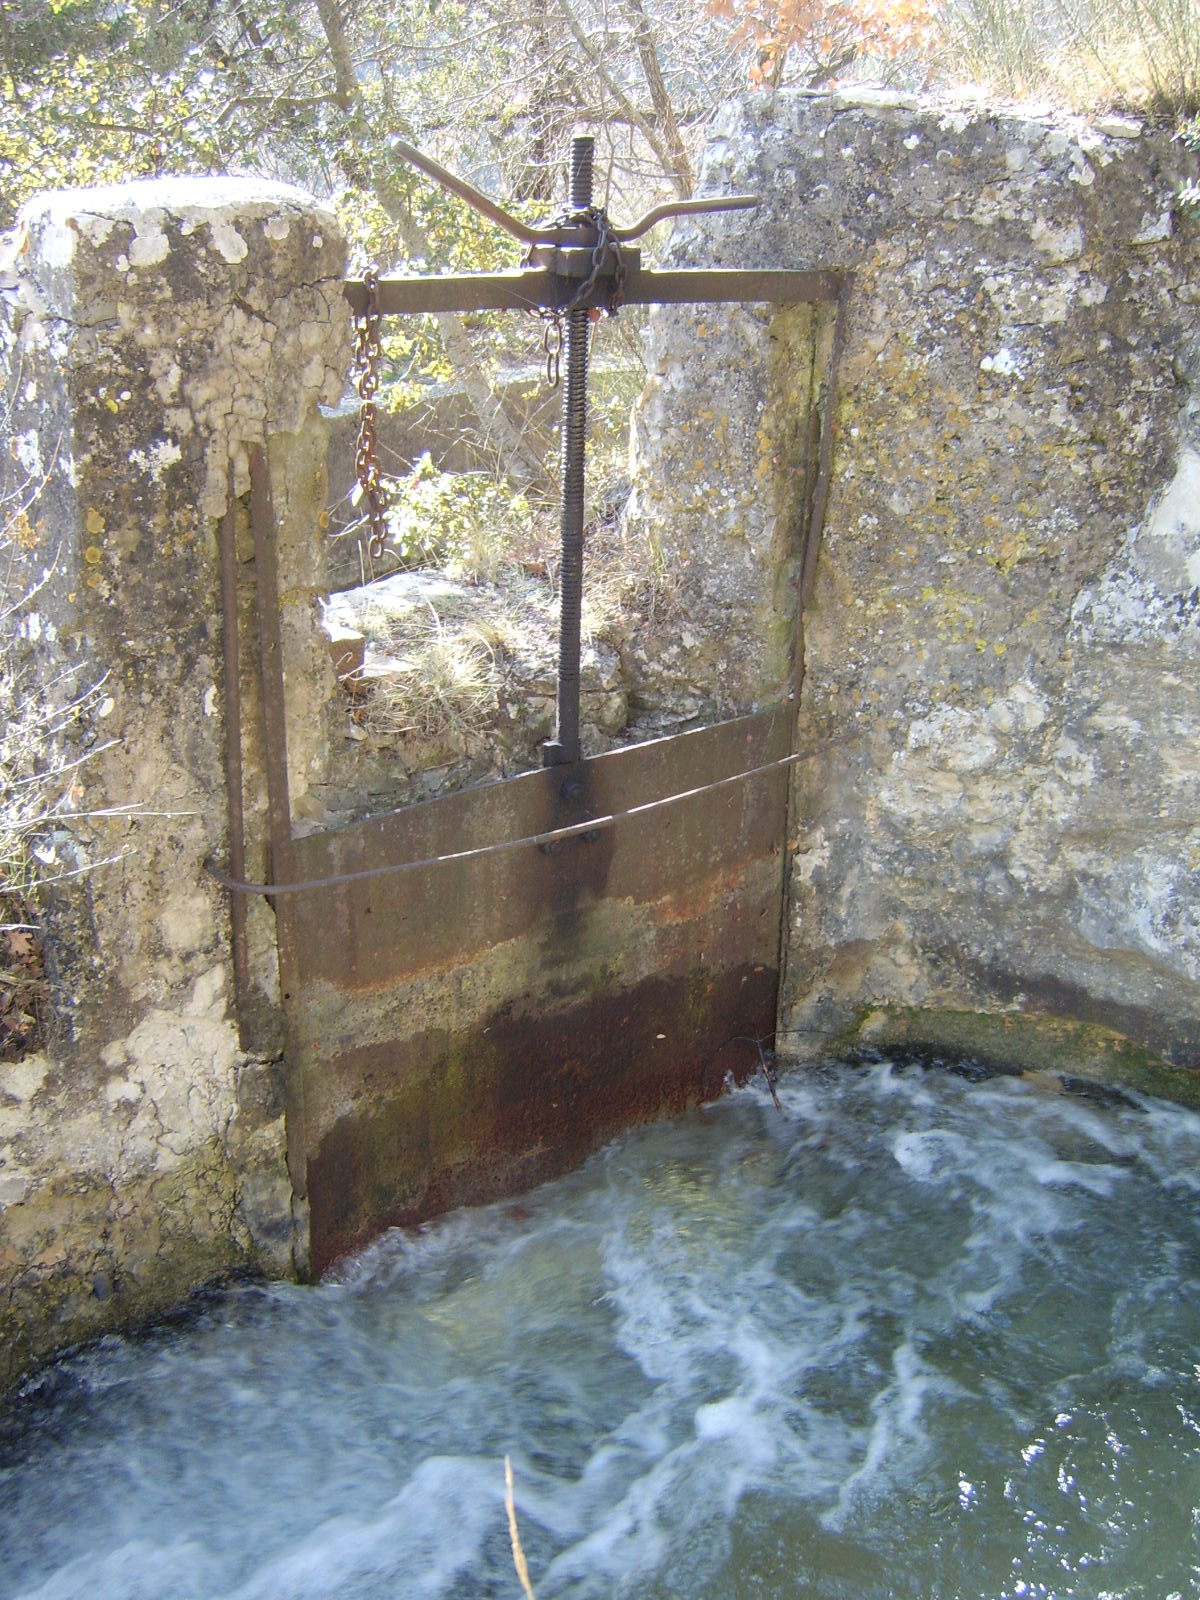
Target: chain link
[
  {"x": 605, "y": 251},
  {"x": 366, "y": 459},
  {"x": 552, "y": 343},
  {"x": 606, "y": 248}
]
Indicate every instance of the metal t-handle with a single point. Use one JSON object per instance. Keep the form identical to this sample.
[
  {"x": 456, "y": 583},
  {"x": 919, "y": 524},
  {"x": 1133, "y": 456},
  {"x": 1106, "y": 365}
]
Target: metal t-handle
[{"x": 551, "y": 233}]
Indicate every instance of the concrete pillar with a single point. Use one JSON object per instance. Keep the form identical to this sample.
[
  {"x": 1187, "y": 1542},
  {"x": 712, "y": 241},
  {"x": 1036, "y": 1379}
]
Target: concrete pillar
[{"x": 151, "y": 333}]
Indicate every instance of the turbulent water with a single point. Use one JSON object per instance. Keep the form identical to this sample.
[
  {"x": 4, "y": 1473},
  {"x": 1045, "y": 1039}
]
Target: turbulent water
[{"x": 911, "y": 1336}]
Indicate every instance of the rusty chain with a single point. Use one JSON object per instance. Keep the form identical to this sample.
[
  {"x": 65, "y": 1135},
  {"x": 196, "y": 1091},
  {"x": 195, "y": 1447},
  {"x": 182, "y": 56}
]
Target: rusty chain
[
  {"x": 606, "y": 246},
  {"x": 366, "y": 459},
  {"x": 552, "y": 343},
  {"x": 606, "y": 250}
]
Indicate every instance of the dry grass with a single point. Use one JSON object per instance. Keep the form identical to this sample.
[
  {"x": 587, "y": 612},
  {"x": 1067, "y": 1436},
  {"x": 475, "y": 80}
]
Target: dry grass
[
  {"x": 514, "y": 1532},
  {"x": 442, "y": 679},
  {"x": 1138, "y": 55},
  {"x": 1144, "y": 54}
]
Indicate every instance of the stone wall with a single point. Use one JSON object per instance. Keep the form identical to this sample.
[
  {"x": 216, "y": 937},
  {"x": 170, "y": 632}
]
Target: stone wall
[
  {"x": 1001, "y": 652},
  {"x": 998, "y": 808},
  {"x": 723, "y": 465},
  {"x": 150, "y": 334}
]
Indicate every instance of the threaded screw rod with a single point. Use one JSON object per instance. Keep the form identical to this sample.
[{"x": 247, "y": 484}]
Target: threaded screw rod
[{"x": 563, "y": 749}]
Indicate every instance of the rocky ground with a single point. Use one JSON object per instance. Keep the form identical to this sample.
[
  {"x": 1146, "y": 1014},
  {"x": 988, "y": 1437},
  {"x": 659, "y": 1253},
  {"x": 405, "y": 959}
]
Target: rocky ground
[{"x": 448, "y": 683}]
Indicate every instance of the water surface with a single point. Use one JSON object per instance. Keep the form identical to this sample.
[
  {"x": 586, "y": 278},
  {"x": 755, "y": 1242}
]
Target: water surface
[{"x": 914, "y": 1336}]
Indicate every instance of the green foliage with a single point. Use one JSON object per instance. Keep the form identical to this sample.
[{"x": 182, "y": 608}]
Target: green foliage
[
  {"x": 466, "y": 522},
  {"x": 100, "y": 93}
]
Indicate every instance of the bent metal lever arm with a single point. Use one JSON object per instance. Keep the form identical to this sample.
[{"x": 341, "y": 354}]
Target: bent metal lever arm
[{"x": 553, "y": 233}]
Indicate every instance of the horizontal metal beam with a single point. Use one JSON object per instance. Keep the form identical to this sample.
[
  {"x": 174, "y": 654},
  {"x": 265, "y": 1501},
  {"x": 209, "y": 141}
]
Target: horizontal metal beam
[
  {"x": 773, "y": 285},
  {"x": 531, "y": 289}
]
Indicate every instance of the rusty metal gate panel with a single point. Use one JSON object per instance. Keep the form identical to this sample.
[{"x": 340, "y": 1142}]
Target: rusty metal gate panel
[{"x": 472, "y": 1027}]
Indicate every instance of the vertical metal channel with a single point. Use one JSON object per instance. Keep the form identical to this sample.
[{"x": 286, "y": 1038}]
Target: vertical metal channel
[
  {"x": 815, "y": 525},
  {"x": 808, "y": 577},
  {"x": 812, "y": 543},
  {"x": 563, "y": 750},
  {"x": 233, "y": 757},
  {"x": 279, "y": 809}
]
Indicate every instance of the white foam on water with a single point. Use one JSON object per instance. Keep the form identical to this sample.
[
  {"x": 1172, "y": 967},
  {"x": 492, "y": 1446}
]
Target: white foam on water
[
  {"x": 404, "y": 1540},
  {"x": 897, "y": 1438},
  {"x": 844, "y": 1313},
  {"x": 931, "y": 1156},
  {"x": 142, "y": 1569}
]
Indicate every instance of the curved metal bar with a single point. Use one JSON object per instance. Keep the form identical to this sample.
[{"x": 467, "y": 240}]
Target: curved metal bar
[
  {"x": 556, "y": 233},
  {"x": 473, "y": 196},
  {"x": 684, "y": 208}
]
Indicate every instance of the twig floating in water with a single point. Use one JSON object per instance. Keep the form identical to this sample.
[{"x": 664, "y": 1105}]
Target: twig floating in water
[
  {"x": 765, "y": 1069},
  {"x": 514, "y": 1534},
  {"x": 764, "y": 1066}
]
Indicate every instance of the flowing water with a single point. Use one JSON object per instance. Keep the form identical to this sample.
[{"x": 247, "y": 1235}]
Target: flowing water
[{"x": 913, "y": 1336}]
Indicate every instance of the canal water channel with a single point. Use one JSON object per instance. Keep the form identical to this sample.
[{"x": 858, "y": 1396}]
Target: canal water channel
[{"x": 914, "y": 1334}]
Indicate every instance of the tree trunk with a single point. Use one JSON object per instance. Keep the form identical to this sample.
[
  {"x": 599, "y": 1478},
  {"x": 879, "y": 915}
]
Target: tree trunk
[
  {"x": 661, "y": 100},
  {"x": 644, "y": 126}
]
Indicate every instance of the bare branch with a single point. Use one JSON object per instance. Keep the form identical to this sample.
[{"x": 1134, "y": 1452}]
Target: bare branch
[
  {"x": 641, "y": 123},
  {"x": 648, "y": 55}
]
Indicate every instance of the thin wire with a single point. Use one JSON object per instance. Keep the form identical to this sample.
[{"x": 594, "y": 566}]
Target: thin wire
[{"x": 478, "y": 852}]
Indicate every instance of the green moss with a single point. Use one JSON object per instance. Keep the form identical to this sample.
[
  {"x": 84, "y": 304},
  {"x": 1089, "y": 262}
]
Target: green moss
[{"x": 1027, "y": 1043}]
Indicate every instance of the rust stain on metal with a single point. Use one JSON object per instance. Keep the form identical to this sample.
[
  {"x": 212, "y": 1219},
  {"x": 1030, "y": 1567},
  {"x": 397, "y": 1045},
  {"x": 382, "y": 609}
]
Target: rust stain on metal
[
  {"x": 474, "y": 1027},
  {"x": 477, "y": 1115}
]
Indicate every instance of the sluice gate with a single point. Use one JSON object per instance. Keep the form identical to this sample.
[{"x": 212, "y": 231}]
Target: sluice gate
[
  {"x": 480, "y": 989},
  {"x": 470, "y": 1027}
]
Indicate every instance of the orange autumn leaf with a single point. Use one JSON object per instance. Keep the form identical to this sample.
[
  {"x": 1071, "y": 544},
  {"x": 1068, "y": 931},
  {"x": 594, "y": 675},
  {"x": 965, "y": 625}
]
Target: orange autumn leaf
[{"x": 829, "y": 30}]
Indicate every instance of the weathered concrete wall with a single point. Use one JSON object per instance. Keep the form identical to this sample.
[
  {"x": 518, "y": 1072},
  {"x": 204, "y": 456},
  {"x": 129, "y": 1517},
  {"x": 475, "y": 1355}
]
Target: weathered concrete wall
[
  {"x": 723, "y": 467},
  {"x": 1000, "y": 653},
  {"x": 154, "y": 332},
  {"x": 1002, "y": 649}
]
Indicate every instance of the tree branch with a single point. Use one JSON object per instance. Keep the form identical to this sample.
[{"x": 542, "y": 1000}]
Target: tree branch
[
  {"x": 10, "y": 55},
  {"x": 648, "y": 55},
  {"x": 339, "y": 50},
  {"x": 644, "y": 127}
]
